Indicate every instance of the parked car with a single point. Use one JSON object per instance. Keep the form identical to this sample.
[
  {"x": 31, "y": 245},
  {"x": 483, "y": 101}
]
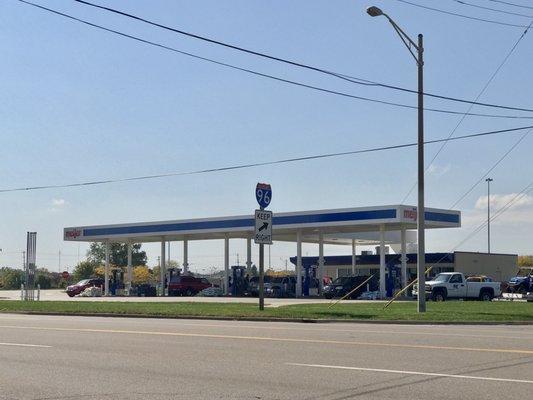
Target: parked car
[
  {"x": 253, "y": 285},
  {"x": 341, "y": 286},
  {"x": 520, "y": 284},
  {"x": 79, "y": 287},
  {"x": 281, "y": 286},
  {"x": 448, "y": 285},
  {"x": 185, "y": 285}
]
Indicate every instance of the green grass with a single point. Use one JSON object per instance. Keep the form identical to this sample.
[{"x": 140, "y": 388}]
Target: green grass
[{"x": 451, "y": 311}]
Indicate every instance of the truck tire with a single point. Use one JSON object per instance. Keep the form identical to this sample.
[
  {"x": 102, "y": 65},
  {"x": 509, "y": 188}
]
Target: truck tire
[
  {"x": 486, "y": 295},
  {"x": 438, "y": 295}
]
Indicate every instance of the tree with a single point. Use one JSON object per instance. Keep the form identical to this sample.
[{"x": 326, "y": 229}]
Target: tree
[
  {"x": 43, "y": 279},
  {"x": 11, "y": 278},
  {"x": 84, "y": 270},
  {"x": 118, "y": 254},
  {"x": 525, "y": 261},
  {"x": 141, "y": 274}
]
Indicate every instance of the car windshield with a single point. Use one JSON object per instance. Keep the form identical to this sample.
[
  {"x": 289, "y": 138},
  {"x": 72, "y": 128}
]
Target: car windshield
[
  {"x": 341, "y": 280},
  {"x": 83, "y": 282},
  {"x": 441, "y": 278}
]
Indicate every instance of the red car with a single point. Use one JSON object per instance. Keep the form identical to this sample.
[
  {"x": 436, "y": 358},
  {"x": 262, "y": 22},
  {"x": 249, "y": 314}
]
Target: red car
[
  {"x": 79, "y": 287},
  {"x": 187, "y": 285}
]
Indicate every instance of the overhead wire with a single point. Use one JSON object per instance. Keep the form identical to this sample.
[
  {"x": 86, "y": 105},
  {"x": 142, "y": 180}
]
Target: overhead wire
[
  {"x": 259, "y": 164},
  {"x": 269, "y": 76},
  {"x": 352, "y": 79},
  {"x": 511, "y": 4},
  {"x": 476, "y": 183},
  {"x": 491, "y": 78},
  {"x": 491, "y": 21},
  {"x": 492, "y": 9}
]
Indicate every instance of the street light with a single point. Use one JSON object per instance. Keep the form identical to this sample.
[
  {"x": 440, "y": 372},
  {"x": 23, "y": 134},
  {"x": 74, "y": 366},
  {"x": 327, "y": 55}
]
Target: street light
[
  {"x": 488, "y": 180},
  {"x": 419, "y": 47}
]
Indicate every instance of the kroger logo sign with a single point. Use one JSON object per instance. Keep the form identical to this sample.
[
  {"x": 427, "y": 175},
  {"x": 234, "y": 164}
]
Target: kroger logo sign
[
  {"x": 409, "y": 214},
  {"x": 73, "y": 233}
]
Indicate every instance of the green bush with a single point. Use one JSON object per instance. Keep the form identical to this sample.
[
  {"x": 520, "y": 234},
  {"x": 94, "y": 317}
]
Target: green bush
[
  {"x": 11, "y": 278},
  {"x": 84, "y": 270}
]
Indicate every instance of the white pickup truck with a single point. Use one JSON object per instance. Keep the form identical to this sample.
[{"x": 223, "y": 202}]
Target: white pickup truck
[{"x": 448, "y": 285}]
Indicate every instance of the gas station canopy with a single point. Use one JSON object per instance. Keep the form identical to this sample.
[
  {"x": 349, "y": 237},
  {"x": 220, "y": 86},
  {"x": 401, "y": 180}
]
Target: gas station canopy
[{"x": 338, "y": 226}]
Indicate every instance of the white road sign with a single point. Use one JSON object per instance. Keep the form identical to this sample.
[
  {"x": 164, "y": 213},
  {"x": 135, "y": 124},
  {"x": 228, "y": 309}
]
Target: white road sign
[{"x": 263, "y": 227}]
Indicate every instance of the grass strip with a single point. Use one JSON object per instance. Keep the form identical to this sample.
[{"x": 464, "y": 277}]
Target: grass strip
[{"x": 451, "y": 311}]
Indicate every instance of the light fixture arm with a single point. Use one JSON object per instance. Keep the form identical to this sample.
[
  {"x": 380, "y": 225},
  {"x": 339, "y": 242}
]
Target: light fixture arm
[{"x": 409, "y": 43}]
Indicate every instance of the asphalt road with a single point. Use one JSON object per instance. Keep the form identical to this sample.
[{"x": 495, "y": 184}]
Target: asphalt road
[{"x": 44, "y": 357}]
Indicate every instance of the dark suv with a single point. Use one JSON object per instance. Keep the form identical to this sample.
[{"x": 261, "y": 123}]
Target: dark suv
[
  {"x": 79, "y": 287},
  {"x": 187, "y": 285},
  {"x": 341, "y": 286}
]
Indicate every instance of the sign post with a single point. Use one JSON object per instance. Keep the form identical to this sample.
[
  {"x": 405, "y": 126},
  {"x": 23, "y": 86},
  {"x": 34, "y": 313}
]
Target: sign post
[{"x": 263, "y": 233}]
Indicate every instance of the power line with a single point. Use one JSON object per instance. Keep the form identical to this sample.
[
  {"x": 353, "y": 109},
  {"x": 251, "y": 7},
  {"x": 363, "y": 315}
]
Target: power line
[
  {"x": 492, "y": 168},
  {"x": 256, "y": 73},
  {"x": 511, "y": 4},
  {"x": 349, "y": 78},
  {"x": 260, "y": 164},
  {"x": 492, "y": 9},
  {"x": 500, "y": 66},
  {"x": 499, "y": 212},
  {"x": 491, "y": 21}
]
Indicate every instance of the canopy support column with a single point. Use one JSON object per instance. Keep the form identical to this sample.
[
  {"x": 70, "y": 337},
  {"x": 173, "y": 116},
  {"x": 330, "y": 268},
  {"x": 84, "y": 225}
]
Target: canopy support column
[
  {"x": 320, "y": 262},
  {"x": 353, "y": 257},
  {"x": 248, "y": 253},
  {"x": 299, "y": 263},
  {"x": 404, "y": 259},
  {"x": 382, "y": 289},
  {"x": 226, "y": 265},
  {"x": 185, "y": 256},
  {"x": 130, "y": 268},
  {"x": 162, "y": 266},
  {"x": 106, "y": 268}
]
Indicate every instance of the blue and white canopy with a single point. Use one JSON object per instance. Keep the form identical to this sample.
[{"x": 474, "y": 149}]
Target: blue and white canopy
[{"x": 338, "y": 226}]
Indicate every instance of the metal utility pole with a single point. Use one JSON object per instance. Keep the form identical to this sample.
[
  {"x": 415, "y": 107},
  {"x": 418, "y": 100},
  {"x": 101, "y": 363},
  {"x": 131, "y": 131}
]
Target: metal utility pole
[
  {"x": 488, "y": 180},
  {"x": 419, "y": 47}
]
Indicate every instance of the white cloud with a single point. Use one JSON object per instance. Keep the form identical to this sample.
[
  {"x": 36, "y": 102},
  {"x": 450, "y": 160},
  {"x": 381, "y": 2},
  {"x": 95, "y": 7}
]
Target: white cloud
[
  {"x": 498, "y": 201},
  {"x": 58, "y": 203},
  {"x": 439, "y": 170}
]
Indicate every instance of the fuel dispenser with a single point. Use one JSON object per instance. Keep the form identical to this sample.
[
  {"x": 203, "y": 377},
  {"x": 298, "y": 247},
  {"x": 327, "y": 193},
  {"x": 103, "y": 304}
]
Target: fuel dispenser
[
  {"x": 239, "y": 284},
  {"x": 392, "y": 278},
  {"x": 310, "y": 281}
]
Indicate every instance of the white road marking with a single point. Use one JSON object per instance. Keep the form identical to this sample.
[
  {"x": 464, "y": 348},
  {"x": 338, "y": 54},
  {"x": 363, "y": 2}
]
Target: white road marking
[
  {"x": 24, "y": 345},
  {"x": 394, "y": 371}
]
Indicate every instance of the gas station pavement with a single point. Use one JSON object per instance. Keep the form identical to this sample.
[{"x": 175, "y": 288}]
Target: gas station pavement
[
  {"x": 59, "y": 357},
  {"x": 55, "y": 295}
]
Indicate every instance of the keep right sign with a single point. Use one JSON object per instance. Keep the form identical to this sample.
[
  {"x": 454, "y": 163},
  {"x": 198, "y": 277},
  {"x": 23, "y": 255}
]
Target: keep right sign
[{"x": 263, "y": 227}]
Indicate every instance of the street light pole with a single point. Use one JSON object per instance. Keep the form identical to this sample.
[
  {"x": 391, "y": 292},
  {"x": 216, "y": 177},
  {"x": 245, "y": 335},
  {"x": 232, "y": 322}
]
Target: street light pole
[
  {"x": 488, "y": 180},
  {"x": 419, "y": 58}
]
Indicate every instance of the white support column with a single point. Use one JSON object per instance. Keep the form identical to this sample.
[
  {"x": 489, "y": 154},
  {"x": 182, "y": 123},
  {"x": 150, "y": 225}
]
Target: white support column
[
  {"x": 354, "y": 257},
  {"x": 106, "y": 268},
  {"x": 404, "y": 259},
  {"x": 299, "y": 263},
  {"x": 185, "y": 256},
  {"x": 163, "y": 266},
  {"x": 249, "y": 252},
  {"x": 382, "y": 289},
  {"x": 226, "y": 265},
  {"x": 129, "y": 277},
  {"x": 320, "y": 262}
]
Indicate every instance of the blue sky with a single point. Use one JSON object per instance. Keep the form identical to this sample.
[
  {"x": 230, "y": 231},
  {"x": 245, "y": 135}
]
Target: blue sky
[{"x": 81, "y": 104}]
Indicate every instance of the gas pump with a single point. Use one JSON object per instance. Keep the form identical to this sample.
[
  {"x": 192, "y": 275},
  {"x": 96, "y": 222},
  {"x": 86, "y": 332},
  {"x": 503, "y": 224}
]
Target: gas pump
[
  {"x": 310, "y": 281},
  {"x": 117, "y": 281},
  {"x": 392, "y": 278},
  {"x": 238, "y": 281}
]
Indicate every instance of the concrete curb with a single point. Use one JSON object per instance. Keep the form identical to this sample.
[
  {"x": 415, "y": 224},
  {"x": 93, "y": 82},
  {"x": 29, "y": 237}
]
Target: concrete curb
[{"x": 267, "y": 319}]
